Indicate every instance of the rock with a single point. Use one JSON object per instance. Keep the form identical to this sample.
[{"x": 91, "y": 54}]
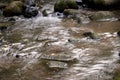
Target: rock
[
  {"x": 102, "y": 16},
  {"x": 118, "y": 33},
  {"x": 5, "y": 25},
  {"x": 30, "y": 3},
  {"x": 30, "y": 12},
  {"x": 2, "y": 5},
  {"x": 12, "y": 20},
  {"x": 77, "y": 15},
  {"x": 70, "y": 12},
  {"x": 102, "y": 4},
  {"x": 57, "y": 64},
  {"x": 79, "y": 2},
  {"x": 58, "y": 57},
  {"x": 61, "y": 5},
  {"x": 91, "y": 35},
  {"x": 13, "y": 9},
  {"x": 44, "y": 12}
]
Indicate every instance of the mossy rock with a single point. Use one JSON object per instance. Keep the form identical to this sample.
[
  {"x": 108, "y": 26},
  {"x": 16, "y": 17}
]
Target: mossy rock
[
  {"x": 14, "y": 8},
  {"x": 61, "y": 5},
  {"x": 102, "y": 15},
  {"x": 91, "y": 35},
  {"x": 116, "y": 74},
  {"x": 72, "y": 12}
]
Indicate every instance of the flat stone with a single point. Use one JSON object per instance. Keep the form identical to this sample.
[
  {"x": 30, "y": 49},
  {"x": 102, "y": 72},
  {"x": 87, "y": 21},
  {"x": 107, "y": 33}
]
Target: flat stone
[
  {"x": 57, "y": 57},
  {"x": 57, "y": 64}
]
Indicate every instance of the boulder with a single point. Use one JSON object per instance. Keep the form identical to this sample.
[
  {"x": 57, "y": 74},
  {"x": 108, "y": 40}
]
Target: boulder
[
  {"x": 45, "y": 13},
  {"x": 102, "y": 16},
  {"x": 61, "y": 5},
  {"x": 70, "y": 12},
  {"x": 30, "y": 12},
  {"x": 13, "y": 9}
]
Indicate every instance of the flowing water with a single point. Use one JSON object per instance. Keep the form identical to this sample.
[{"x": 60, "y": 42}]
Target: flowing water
[{"x": 22, "y": 46}]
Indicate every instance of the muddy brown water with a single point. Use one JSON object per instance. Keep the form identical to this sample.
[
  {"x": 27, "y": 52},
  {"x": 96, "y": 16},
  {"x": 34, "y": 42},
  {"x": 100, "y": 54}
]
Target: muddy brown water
[{"x": 29, "y": 38}]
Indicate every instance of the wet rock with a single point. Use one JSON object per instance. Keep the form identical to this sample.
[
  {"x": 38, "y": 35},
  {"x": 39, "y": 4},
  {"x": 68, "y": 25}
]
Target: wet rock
[
  {"x": 12, "y": 20},
  {"x": 5, "y": 25},
  {"x": 102, "y": 4},
  {"x": 118, "y": 33},
  {"x": 91, "y": 35},
  {"x": 30, "y": 3},
  {"x": 57, "y": 64},
  {"x": 70, "y": 12},
  {"x": 30, "y": 12},
  {"x": 44, "y": 12},
  {"x": 14, "y": 8},
  {"x": 58, "y": 57},
  {"x": 17, "y": 56},
  {"x": 77, "y": 15},
  {"x": 61, "y": 5},
  {"x": 102, "y": 16}
]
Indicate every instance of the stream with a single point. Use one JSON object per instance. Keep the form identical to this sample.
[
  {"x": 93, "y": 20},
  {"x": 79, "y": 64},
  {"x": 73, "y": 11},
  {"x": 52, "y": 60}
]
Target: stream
[{"x": 22, "y": 46}]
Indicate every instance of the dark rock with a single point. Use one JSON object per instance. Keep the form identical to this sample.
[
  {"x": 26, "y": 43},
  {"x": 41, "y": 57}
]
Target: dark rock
[
  {"x": 13, "y": 9},
  {"x": 44, "y": 12},
  {"x": 61, "y": 5},
  {"x": 12, "y": 20},
  {"x": 79, "y": 2},
  {"x": 30, "y": 12},
  {"x": 102, "y": 4},
  {"x": 30, "y": 3},
  {"x": 17, "y": 56},
  {"x": 118, "y": 33},
  {"x": 119, "y": 54}
]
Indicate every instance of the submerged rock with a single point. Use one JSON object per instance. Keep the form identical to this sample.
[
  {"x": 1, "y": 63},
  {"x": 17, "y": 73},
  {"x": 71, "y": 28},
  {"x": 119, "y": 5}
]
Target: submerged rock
[
  {"x": 61, "y": 5},
  {"x": 57, "y": 64},
  {"x": 58, "y": 57},
  {"x": 91, "y": 35}
]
